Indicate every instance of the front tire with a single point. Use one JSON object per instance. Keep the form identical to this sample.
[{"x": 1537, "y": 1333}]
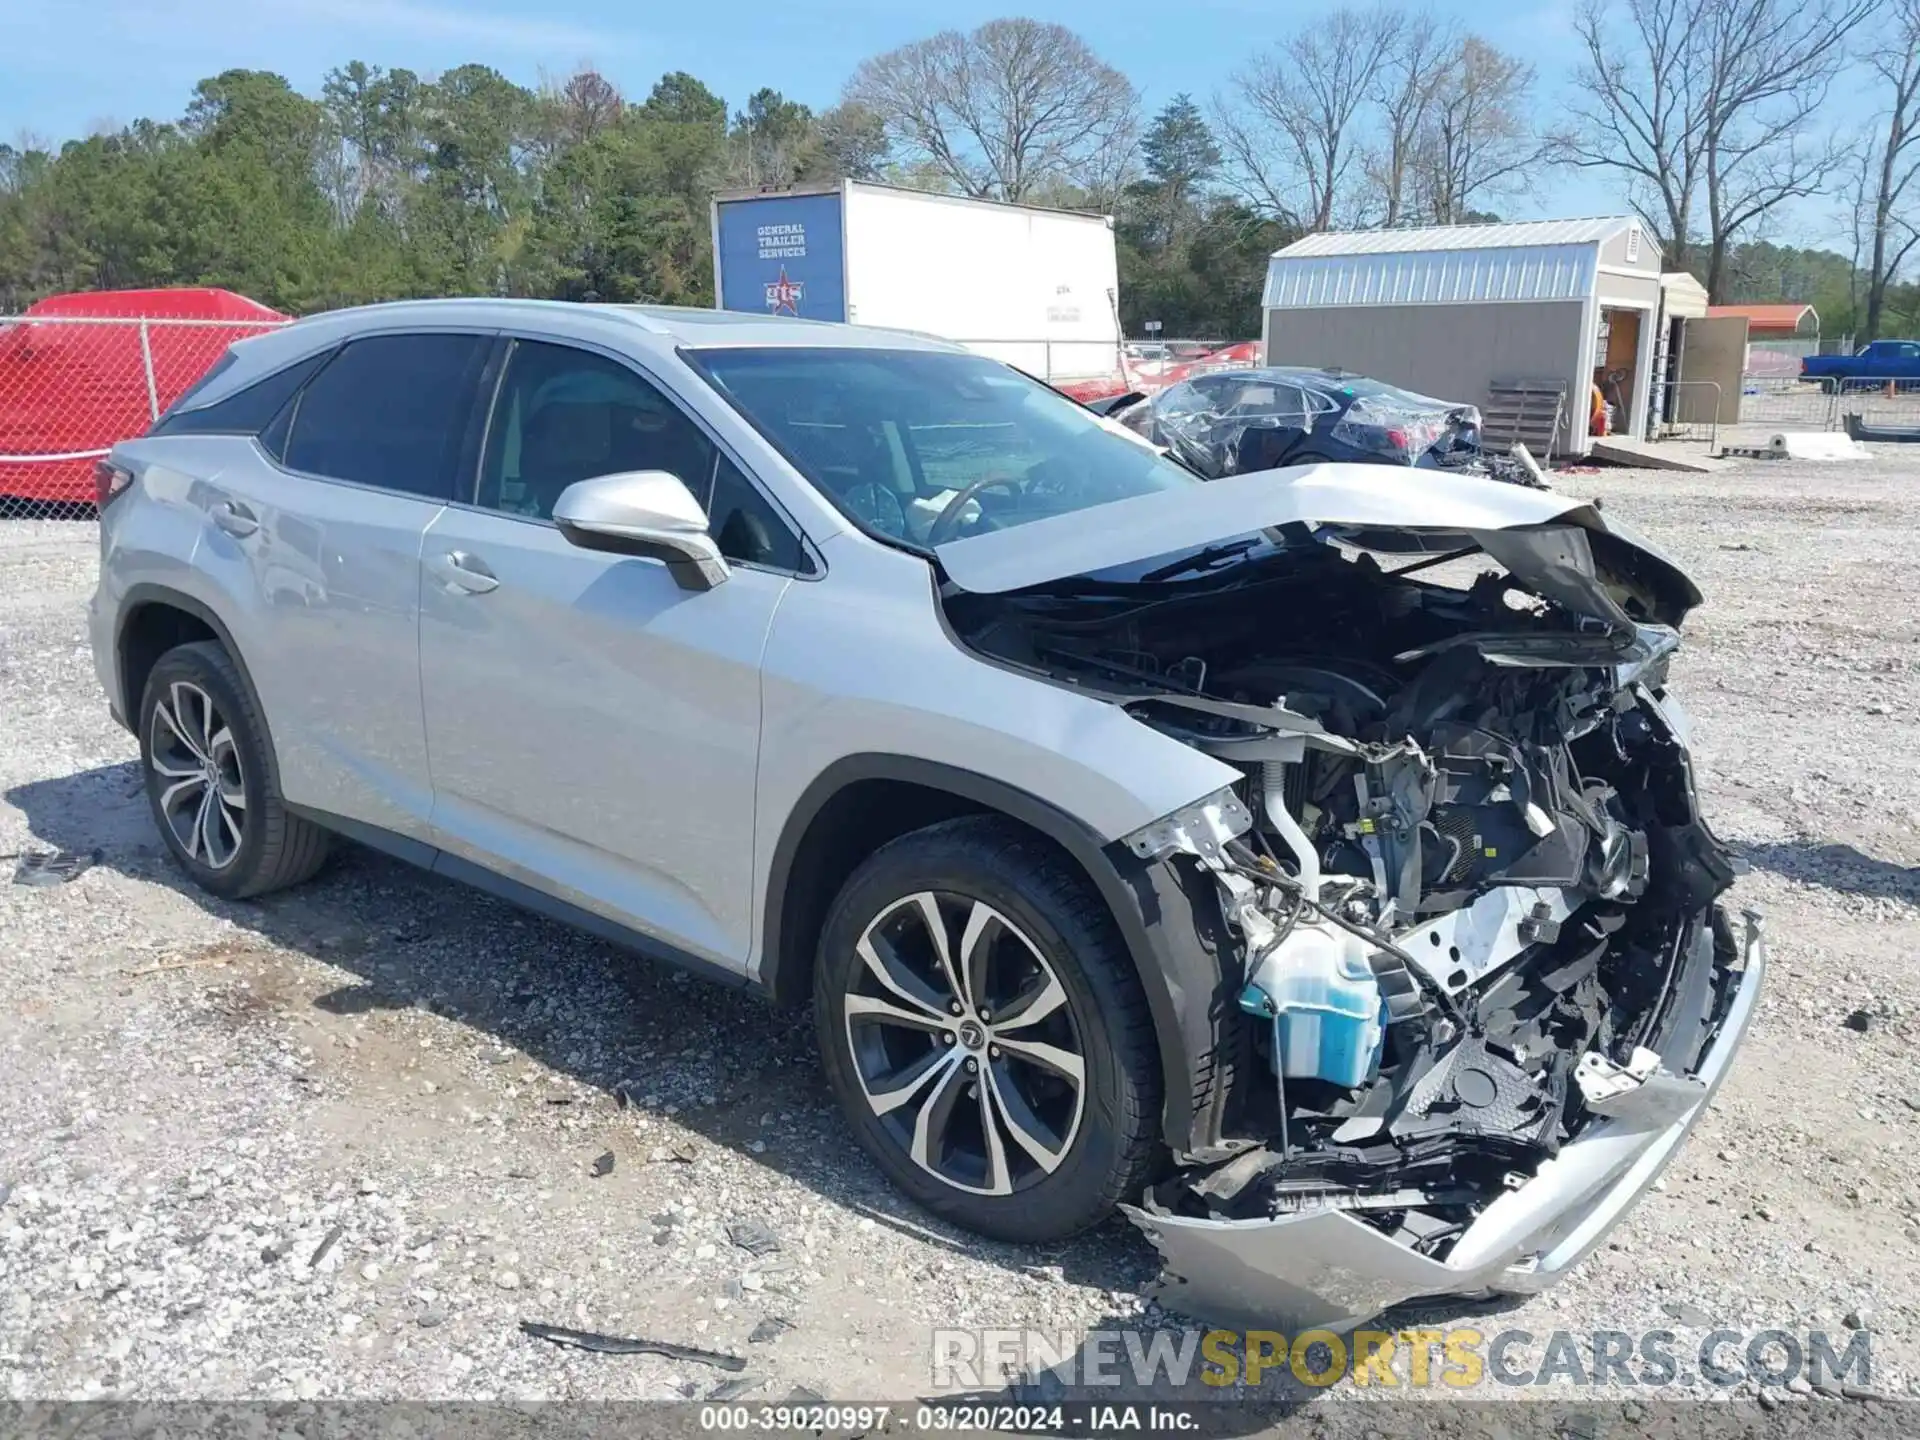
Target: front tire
[
  {"x": 214, "y": 793},
  {"x": 984, "y": 1030}
]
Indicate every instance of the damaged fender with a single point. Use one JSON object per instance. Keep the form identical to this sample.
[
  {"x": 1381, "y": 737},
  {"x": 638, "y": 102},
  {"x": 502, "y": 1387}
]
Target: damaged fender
[{"x": 1471, "y": 985}]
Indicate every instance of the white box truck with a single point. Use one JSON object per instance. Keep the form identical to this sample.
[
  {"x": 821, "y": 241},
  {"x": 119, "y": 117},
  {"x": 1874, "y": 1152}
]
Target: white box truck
[{"x": 1033, "y": 287}]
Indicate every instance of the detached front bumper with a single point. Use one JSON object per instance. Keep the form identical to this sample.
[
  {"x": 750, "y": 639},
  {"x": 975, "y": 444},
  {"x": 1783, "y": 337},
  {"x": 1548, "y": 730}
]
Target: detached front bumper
[{"x": 1327, "y": 1269}]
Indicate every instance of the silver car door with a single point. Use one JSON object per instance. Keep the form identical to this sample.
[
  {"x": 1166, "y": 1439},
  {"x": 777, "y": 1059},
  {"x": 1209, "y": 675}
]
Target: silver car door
[
  {"x": 593, "y": 728},
  {"x": 316, "y": 527}
]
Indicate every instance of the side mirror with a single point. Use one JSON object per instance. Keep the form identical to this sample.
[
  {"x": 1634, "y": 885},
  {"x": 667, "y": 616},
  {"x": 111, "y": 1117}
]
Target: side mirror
[{"x": 643, "y": 512}]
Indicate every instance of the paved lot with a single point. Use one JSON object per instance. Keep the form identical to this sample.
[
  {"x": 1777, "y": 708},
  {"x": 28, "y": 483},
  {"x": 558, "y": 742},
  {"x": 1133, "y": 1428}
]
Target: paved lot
[{"x": 340, "y": 1142}]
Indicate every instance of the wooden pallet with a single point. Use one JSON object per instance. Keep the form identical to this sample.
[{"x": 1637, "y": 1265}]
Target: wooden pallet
[{"x": 1532, "y": 412}]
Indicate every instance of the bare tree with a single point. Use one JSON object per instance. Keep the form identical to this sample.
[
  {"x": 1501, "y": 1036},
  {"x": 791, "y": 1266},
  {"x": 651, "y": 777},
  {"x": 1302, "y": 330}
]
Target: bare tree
[
  {"x": 589, "y": 104},
  {"x": 1291, "y": 125},
  {"x": 1413, "y": 75},
  {"x": 1113, "y": 166},
  {"x": 1890, "y": 164},
  {"x": 1859, "y": 218},
  {"x": 571, "y": 112},
  {"x": 854, "y": 141},
  {"x": 1011, "y": 106},
  {"x": 1478, "y": 140},
  {"x": 1708, "y": 104},
  {"x": 772, "y": 142},
  {"x": 22, "y": 161},
  {"x": 1637, "y": 113}
]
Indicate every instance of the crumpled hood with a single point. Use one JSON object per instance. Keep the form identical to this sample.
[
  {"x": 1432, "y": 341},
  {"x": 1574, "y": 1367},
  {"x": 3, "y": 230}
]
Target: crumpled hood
[{"x": 1560, "y": 547}]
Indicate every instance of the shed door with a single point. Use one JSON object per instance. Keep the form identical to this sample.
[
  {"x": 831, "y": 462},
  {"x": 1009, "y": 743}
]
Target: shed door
[{"x": 1715, "y": 350}]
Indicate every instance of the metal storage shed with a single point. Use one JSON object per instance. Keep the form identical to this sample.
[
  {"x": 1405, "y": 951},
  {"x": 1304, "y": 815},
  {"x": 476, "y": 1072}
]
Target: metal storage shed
[{"x": 1479, "y": 313}]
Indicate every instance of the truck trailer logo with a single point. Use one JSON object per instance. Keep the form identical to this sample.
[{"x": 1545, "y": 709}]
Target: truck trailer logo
[
  {"x": 784, "y": 295},
  {"x": 781, "y": 242},
  {"x": 781, "y": 255}
]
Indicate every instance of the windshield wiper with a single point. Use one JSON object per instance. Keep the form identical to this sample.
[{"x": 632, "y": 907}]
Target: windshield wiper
[{"x": 1204, "y": 559}]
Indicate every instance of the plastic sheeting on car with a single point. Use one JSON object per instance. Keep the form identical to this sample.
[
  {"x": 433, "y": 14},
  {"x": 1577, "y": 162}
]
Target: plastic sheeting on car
[{"x": 1229, "y": 424}]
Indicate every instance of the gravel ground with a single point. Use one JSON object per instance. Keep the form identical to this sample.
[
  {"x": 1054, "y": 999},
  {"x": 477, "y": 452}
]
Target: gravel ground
[{"x": 340, "y": 1142}]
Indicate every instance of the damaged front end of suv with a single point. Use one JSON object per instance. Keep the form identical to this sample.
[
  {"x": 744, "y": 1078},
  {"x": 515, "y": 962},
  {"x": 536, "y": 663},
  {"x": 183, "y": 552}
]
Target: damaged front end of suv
[{"x": 1480, "y": 979}]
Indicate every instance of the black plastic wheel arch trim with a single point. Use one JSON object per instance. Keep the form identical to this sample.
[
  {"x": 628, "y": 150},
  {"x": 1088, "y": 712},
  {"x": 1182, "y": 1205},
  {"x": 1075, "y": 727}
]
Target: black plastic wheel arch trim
[
  {"x": 137, "y": 598},
  {"x": 1170, "y": 923}
]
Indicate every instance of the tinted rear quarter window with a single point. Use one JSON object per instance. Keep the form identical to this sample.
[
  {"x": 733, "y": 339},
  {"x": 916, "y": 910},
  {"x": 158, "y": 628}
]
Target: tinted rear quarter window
[
  {"x": 389, "y": 411},
  {"x": 213, "y": 372},
  {"x": 245, "y": 412}
]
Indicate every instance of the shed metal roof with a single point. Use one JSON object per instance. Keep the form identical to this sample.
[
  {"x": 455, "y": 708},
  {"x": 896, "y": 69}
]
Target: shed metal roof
[
  {"x": 1682, "y": 296},
  {"x": 1443, "y": 265},
  {"x": 1435, "y": 277},
  {"x": 1517, "y": 234}
]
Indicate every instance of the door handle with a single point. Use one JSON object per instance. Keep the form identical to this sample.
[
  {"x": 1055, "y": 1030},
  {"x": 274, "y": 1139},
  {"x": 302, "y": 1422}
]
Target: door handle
[
  {"x": 234, "y": 518},
  {"x": 461, "y": 571}
]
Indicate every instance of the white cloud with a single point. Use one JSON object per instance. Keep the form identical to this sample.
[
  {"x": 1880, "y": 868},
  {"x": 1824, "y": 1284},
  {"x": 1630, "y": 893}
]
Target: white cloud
[
  {"x": 440, "y": 22},
  {"x": 143, "y": 57}
]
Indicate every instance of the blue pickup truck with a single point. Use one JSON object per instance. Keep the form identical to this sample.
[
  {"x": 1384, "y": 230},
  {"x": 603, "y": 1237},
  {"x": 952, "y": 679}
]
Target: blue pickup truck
[{"x": 1897, "y": 360}]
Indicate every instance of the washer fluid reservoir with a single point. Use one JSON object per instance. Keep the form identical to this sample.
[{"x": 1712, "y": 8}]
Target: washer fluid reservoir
[{"x": 1328, "y": 1017}]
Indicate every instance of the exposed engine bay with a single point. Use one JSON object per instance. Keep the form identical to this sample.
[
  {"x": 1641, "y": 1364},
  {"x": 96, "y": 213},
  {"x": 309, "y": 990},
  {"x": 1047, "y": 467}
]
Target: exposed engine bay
[{"x": 1469, "y": 894}]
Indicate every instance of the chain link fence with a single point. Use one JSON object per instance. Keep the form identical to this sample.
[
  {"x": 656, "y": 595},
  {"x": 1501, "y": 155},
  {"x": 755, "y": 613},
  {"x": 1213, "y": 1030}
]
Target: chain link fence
[
  {"x": 71, "y": 387},
  {"x": 1159, "y": 363},
  {"x": 1795, "y": 404},
  {"x": 1693, "y": 411},
  {"x": 1786, "y": 402},
  {"x": 1887, "y": 404},
  {"x": 1093, "y": 365},
  {"x": 1095, "y": 369}
]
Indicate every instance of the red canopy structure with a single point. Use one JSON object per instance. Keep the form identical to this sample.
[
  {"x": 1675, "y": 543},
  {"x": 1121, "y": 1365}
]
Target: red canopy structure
[
  {"x": 79, "y": 372},
  {"x": 205, "y": 304},
  {"x": 1788, "y": 320}
]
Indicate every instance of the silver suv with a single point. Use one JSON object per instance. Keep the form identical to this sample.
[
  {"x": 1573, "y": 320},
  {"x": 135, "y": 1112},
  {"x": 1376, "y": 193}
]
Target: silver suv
[{"x": 1310, "y": 858}]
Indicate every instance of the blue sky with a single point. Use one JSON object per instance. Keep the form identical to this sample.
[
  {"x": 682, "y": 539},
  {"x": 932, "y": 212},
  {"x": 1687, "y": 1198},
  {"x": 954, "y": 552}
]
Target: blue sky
[{"x": 68, "y": 66}]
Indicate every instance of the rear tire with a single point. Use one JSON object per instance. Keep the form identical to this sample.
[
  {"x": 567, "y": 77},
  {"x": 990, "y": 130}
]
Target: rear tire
[
  {"x": 211, "y": 782},
  {"x": 1035, "y": 1025}
]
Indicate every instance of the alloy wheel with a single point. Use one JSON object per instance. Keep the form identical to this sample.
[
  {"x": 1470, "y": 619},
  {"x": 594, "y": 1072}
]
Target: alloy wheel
[
  {"x": 202, "y": 789},
  {"x": 964, "y": 1044}
]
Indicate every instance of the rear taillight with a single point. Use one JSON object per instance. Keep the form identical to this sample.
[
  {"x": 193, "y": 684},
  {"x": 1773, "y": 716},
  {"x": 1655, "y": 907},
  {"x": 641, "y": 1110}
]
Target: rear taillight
[
  {"x": 108, "y": 481},
  {"x": 1397, "y": 439}
]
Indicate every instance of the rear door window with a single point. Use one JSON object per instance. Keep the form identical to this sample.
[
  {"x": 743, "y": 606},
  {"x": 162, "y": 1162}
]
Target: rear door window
[{"x": 390, "y": 411}]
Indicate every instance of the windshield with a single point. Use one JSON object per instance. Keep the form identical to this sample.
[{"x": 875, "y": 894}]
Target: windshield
[{"x": 922, "y": 448}]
